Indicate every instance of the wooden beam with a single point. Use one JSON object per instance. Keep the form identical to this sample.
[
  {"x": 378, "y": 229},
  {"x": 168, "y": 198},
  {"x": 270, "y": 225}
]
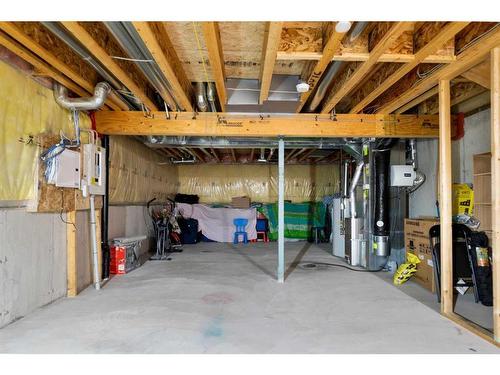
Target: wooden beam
[
  {"x": 215, "y": 155},
  {"x": 299, "y": 125},
  {"x": 269, "y": 51},
  {"x": 387, "y": 40},
  {"x": 331, "y": 47},
  {"x": 495, "y": 181},
  {"x": 290, "y": 153},
  {"x": 42, "y": 67},
  {"x": 49, "y": 64},
  {"x": 156, "y": 39},
  {"x": 480, "y": 74},
  {"x": 363, "y": 56},
  {"x": 72, "y": 276},
  {"x": 100, "y": 54},
  {"x": 448, "y": 32},
  {"x": 470, "y": 57},
  {"x": 306, "y": 155},
  {"x": 459, "y": 94},
  {"x": 216, "y": 58},
  {"x": 446, "y": 238},
  {"x": 418, "y": 100}
]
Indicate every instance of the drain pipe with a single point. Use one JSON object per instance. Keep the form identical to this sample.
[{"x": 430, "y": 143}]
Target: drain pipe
[
  {"x": 201, "y": 97},
  {"x": 101, "y": 92},
  {"x": 106, "y": 256},
  {"x": 322, "y": 89},
  {"x": 355, "y": 248}
]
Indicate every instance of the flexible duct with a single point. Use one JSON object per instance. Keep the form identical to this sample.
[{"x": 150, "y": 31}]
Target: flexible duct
[
  {"x": 101, "y": 91},
  {"x": 381, "y": 221},
  {"x": 420, "y": 176},
  {"x": 201, "y": 97},
  {"x": 211, "y": 96}
]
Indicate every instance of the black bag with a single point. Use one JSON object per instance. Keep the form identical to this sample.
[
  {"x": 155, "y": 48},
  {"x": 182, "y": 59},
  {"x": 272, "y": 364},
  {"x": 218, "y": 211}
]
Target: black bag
[
  {"x": 189, "y": 230},
  {"x": 187, "y": 198},
  {"x": 480, "y": 254}
]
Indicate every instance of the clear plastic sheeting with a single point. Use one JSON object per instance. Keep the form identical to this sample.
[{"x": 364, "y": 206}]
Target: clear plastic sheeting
[
  {"x": 219, "y": 183},
  {"x": 27, "y": 110},
  {"x": 138, "y": 174}
]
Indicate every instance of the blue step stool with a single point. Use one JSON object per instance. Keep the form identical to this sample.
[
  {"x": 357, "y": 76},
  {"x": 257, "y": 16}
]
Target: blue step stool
[{"x": 240, "y": 225}]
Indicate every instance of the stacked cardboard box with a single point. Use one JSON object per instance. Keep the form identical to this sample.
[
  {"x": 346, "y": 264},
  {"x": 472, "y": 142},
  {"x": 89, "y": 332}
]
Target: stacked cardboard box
[
  {"x": 417, "y": 242},
  {"x": 240, "y": 202}
]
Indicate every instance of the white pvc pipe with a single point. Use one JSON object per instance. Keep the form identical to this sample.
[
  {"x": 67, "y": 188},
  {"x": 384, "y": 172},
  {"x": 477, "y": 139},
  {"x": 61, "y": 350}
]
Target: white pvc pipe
[
  {"x": 93, "y": 244},
  {"x": 281, "y": 211},
  {"x": 355, "y": 248}
]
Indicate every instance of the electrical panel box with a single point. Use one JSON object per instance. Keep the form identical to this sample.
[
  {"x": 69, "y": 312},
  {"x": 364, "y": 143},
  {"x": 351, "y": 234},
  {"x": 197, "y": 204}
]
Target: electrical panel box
[
  {"x": 94, "y": 171},
  {"x": 402, "y": 175},
  {"x": 68, "y": 169}
]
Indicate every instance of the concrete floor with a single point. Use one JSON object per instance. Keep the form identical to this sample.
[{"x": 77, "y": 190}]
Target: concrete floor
[{"x": 220, "y": 298}]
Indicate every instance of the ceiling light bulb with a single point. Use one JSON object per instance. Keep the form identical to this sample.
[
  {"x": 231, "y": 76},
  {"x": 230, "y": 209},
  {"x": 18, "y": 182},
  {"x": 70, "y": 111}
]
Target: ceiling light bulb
[
  {"x": 302, "y": 87},
  {"x": 343, "y": 26}
]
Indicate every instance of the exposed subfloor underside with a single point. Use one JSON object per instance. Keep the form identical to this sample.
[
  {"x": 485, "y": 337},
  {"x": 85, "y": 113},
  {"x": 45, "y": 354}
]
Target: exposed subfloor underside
[{"x": 220, "y": 298}]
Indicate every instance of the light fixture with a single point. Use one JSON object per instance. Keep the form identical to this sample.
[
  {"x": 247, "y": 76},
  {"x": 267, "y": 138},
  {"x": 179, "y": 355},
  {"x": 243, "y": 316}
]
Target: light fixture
[
  {"x": 343, "y": 26},
  {"x": 302, "y": 87}
]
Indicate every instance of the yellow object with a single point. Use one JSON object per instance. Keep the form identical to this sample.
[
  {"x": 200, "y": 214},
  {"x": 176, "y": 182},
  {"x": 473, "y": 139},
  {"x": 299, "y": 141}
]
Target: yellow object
[
  {"x": 406, "y": 270},
  {"x": 138, "y": 174},
  {"x": 219, "y": 183},
  {"x": 463, "y": 199},
  {"x": 27, "y": 109}
]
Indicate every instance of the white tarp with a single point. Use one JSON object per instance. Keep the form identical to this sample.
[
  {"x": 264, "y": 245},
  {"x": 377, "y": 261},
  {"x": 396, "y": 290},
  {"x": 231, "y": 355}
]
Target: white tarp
[{"x": 217, "y": 223}]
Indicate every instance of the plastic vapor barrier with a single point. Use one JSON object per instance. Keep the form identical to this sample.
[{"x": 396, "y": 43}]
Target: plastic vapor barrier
[
  {"x": 27, "y": 109},
  {"x": 219, "y": 183},
  {"x": 137, "y": 174}
]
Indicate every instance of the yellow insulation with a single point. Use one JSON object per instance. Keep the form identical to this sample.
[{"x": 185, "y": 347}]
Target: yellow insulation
[
  {"x": 219, "y": 183},
  {"x": 26, "y": 110},
  {"x": 137, "y": 174}
]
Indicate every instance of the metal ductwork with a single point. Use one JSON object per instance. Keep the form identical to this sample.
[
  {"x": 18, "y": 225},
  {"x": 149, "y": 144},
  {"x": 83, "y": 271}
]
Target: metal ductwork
[
  {"x": 201, "y": 97},
  {"x": 381, "y": 220},
  {"x": 355, "y": 223},
  {"x": 211, "y": 94},
  {"x": 55, "y": 28},
  {"x": 130, "y": 41},
  {"x": 420, "y": 176},
  {"x": 251, "y": 142},
  {"x": 333, "y": 69},
  {"x": 101, "y": 92}
]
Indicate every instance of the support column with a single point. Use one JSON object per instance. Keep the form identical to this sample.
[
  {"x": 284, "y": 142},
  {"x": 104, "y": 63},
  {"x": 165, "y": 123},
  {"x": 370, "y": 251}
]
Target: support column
[
  {"x": 445, "y": 197},
  {"x": 495, "y": 191},
  {"x": 71, "y": 270},
  {"x": 281, "y": 211}
]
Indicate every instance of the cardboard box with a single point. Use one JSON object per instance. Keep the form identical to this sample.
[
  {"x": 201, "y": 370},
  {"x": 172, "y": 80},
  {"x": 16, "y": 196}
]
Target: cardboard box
[
  {"x": 417, "y": 242},
  {"x": 463, "y": 199},
  {"x": 240, "y": 202}
]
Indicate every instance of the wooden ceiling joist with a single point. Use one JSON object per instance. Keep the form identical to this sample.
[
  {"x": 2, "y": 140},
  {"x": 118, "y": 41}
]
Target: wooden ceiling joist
[
  {"x": 233, "y": 155},
  {"x": 269, "y": 51},
  {"x": 216, "y": 155},
  {"x": 216, "y": 58},
  {"x": 156, "y": 39},
  {"x": 418, "y": 100},
  {"x": 100, "y": 54},
  {"x": 40, "y": 66},
  {"x": 470, "y": 57},
  {"x": 385, "y": 42},
  {"x": 448, "y": 32},
  {"x": 306, "y": 155},
  {"x": 363, "y": 56},
  {"x": 56, "y": 65},
  {"x": 331, "y": 47},
  {"x": 480, "y": 74},
  {"x": 301, "y": 125}
]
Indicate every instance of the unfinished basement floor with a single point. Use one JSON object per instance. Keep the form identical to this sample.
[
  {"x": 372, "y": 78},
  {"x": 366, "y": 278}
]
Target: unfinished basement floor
[{"x": 221, "y": 298}]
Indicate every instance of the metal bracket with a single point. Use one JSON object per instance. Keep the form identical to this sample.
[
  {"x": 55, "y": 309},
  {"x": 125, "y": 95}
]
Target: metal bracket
[
  {"x": 147, "y": 113},
  {"x": 333, "y": 115},
  {"x": 167, "y": 113}
]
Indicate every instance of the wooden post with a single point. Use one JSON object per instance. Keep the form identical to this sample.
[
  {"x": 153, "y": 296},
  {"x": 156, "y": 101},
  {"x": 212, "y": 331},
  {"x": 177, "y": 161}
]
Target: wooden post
[
  {"x": 495, "y": 183},
  {"x": 445, "y": 198},
  {"x": 71, "y": 277}
]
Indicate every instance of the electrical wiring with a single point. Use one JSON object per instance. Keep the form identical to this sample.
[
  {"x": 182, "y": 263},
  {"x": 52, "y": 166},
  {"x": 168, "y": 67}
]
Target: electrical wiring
[{"x": 313, "y": 265}]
